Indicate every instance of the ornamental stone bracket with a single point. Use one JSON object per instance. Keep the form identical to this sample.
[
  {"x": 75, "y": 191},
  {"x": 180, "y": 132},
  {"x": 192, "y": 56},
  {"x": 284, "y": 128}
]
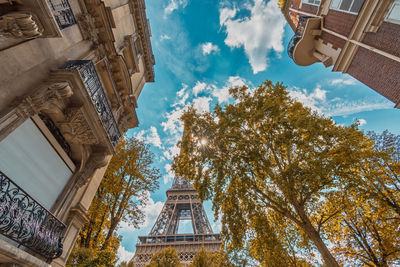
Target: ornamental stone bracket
[
  {"x": 88, "y": 28},
  {"x": 24, "y": 25},
  {"x": 76, "y": 129},
  {"x": 96, "y": 160},
  {"x": 50, "y": 98}
]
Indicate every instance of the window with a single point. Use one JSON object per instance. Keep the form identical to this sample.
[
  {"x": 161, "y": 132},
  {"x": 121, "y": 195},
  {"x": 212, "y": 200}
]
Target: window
[
  {"x": 394, "y": 13},
  {"x": 312, "y": 2},
  {"x": 350, "y": 6},
  {"x": 62, "y": 13},
  {"x": 31, "y": 162}
]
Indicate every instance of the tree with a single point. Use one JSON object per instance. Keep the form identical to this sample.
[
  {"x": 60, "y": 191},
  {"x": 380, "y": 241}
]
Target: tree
[
  {"x": 380, "y": 177},
  {"x": 126, "y": 264},
  {"x": 89, "y": 257},
  {"x": 365, "y": 232},
  {"x": 267, "y": 155},
  {"x": 165, "y": 258},
  {"x": 207, "y": 259},
  {"x": 121, "y": 196},
  {"x": 129, "y": 178}
]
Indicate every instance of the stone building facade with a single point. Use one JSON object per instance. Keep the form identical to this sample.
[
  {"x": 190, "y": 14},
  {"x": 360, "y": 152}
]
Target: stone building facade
[
  {"x": 70, "y": 75},
  {"x": 358, "y": 37}
]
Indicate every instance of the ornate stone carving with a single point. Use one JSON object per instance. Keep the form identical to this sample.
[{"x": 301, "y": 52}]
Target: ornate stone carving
[
  {"x": 23, "y": 25},
  {"x": 51, "y": 98},
  {"x": 76, "y": 129},
  {"x": 123, "y": 124},
  {"x": 88, "y": 28},
  {"x": 95, "y": 161}
]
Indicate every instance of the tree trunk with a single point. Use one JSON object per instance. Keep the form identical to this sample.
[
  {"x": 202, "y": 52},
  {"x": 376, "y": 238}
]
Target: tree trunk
[
  {"x": 99, "y": 229},
  {"x": 309, "y": 229},
  {"x": 109, "y": 234}
]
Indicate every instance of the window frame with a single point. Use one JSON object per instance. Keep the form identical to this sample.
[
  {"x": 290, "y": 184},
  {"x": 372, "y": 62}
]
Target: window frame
[
  {"x": 394, "y": 21},
  {"x": 345, "y": 11},
  {"x": 306, "y": 2}
]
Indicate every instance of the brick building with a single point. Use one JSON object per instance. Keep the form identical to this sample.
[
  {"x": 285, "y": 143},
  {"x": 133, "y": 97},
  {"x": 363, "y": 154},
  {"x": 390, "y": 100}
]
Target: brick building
[
  {"x": 358, "y": 37},
  {"x": 70, "y": 75}
]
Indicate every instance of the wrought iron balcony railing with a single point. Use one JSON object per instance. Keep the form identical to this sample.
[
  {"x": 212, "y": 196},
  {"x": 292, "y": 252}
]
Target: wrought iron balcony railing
[
  {"x": 25, "y": 221},
  {"x": 297, "y": 35},
  {"x": 292, "y": 44},
  {"x": 89, "y": 76},
  {"x": 62, "y": 12}
]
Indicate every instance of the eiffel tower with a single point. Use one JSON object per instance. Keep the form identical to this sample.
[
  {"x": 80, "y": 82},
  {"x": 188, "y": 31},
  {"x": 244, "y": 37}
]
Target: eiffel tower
[{"x": 182, "y": 203}]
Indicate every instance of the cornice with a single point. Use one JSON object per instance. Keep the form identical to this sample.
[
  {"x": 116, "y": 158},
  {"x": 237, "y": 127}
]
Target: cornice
[{"x": 143, "y": 27}]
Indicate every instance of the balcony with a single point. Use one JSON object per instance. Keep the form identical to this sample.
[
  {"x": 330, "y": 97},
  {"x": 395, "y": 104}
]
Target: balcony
[
  {"x": 96, "y": 92},
  {"x": 301, "y": 47},
  {"x": 28, "y": 223},
  {"x": 62, "y": 13}
]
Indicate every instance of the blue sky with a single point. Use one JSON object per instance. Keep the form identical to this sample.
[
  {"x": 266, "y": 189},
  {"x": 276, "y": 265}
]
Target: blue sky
[{"x": 204, "y": 47}]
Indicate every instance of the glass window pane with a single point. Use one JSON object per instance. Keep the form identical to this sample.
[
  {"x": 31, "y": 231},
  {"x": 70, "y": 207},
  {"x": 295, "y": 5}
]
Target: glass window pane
[
  {"x": 31, "y": 162},
  {"x": 335, "y": 4},
  {"x": 345, "y": 6},
  {"x": 395, "y": 12},
  {"x": 357, "y": 6}
]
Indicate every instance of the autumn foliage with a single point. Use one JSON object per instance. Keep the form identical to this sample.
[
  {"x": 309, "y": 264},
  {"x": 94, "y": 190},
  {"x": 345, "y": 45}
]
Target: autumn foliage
[
  {"x": 121, "y": 197},
  {"x": 289, "y": 182}
]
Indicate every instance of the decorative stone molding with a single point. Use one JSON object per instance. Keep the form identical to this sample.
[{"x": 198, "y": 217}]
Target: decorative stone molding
[
  {"x": 50, "y": 98},
  {"x": 123, "y": 123},
  {"x": 88, "y": 28},
  {"x": 95, "y": 161},
  {"x": 23, "y": 25},
  {"x": 76, "y": 129}
]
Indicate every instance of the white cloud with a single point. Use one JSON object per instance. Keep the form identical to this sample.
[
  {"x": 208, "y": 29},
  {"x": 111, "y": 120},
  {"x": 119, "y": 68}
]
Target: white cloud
[
  {"x": 181, "y": 96},
  {"x": 308, "y": 99},
  {"x": 317, "y": 101},
  {"x": 182, "y": 91},
  {"x": 124, "y": 255},
  {"x": 150, "y": 137},
  {"x": 345, "y": 107},
  {"x": 199, "y": 87},
  {"x": 174, "y": 5},
  {"x": 202, "y": 104},
  {"x": 362, "y": 122},
  {"x": 342, "y": 82},
  {"x": 165, "y": 37},
  {"x": 258, "y": 34},
  {"x": 226, "y": 14},
  {"x": 172, "y": 151},
  {"x": 222, "y": 94},
  {"x": 234, "y": 81},
  {"x": 170, "y": 174},
  {"x": 182, "y": 101},
  {"x": 173, "y": 125},
  {"x": 208, "y": 48},
  {"x": 151, "y": 211}
]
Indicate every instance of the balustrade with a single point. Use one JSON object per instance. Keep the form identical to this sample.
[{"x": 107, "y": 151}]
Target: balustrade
[
  {"x": 90, "y": 78},
  {"x": 62, "y": 12},
  {"x": 297, "y": 35},
  {"x": 28, "y": 223}
]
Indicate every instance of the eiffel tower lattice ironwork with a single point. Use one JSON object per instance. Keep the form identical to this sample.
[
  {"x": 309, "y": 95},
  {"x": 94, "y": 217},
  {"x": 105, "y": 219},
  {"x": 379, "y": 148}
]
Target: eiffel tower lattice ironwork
[{"x": 182, "y": 203}]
